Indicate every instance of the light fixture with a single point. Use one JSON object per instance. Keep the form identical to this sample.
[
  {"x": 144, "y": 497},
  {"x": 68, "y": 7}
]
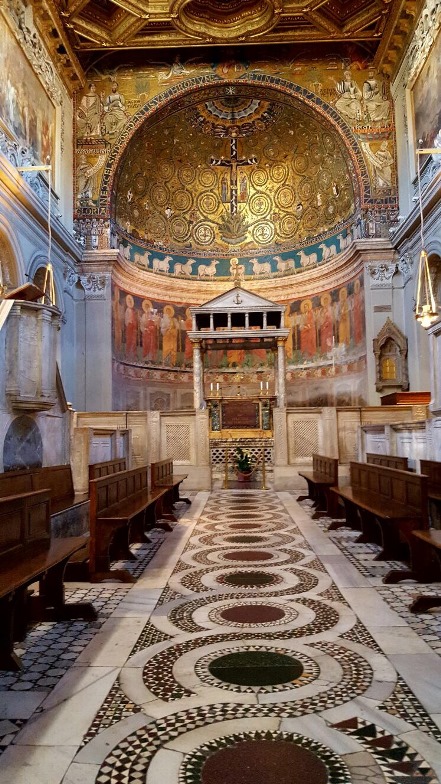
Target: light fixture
[
  {"x": 425, "y": 310},
  {"x": 49, "y": 288}
]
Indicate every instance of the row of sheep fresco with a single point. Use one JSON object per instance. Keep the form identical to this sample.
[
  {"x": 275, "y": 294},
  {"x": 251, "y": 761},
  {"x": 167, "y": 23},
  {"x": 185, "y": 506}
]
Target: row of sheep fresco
[{"x": 253, "y": 267}]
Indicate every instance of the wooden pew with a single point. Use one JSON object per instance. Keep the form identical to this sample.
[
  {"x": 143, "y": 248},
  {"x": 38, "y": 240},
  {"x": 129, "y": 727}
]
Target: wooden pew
[
  {"x": 27, "y": 555},
  {"x": 57, "y": 479},
  {"x": 432, "y": 469},
  {"x": 390, "y": 461},
  {"x": 121, "y": 508},
  {"x": 323, "y": 476},
  {"x": 426, "y": 566},
  {"x": 162, "y": 476},
  {"x": 386, "y": 505},
  {"x": 97, "y": 470}
]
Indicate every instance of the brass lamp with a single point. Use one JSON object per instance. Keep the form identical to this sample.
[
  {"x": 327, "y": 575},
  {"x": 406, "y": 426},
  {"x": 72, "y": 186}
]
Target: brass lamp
[{"x": 425, "y": 310}]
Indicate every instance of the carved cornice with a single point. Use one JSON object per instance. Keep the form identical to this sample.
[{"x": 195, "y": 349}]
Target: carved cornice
[
  {"x": 424, "y": 35},
  {"x": 30, "y": 40},
  {"x": 56, "y": 40}
]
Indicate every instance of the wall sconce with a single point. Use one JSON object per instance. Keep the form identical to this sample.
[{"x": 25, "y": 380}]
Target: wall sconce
[{"x": 426, "y": 310}]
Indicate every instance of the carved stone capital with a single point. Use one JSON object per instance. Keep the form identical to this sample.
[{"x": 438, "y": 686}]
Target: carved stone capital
[
  {"x": 95, "y": 286},
  {"x": 405, "y": 265},
  {"x": 381, "y": 274},
  {"x": 70, "y": 278}
]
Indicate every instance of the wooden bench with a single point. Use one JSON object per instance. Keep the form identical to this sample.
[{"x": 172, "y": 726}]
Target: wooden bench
[
  {"x": 162, "y": 476},
  {"x": 121, "y": 508},
  {"x": 97, "y": 470},
  {"x": 389, "y": 461},
  {"x": 57, "y": 479},
  {"x": 29, "y": 555},
  {"x": 426, "y": 566},
  {"x": 386, "y": 505},
  {"x": 323, "y": 476},
  {"x": 432, "y": 469}
]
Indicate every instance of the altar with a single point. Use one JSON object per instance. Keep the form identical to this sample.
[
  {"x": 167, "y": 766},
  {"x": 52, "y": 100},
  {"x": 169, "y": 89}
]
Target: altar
[
  {"x": 239, "y": 319},
  {"x": 238, "y": 418}
]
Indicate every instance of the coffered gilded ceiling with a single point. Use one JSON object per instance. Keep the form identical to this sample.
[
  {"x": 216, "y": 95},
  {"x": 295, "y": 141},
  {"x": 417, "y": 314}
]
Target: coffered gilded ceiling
[{"x": 81, "y": 31}]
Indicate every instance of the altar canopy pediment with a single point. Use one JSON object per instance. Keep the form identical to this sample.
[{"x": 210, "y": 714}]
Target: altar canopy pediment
[
  {"x": 238, "y": 298},
  {"x": 239, "y": 315}
]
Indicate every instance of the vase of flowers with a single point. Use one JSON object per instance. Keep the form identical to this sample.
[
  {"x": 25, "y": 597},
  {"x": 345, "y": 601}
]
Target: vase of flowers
[{"x": 243, "y": 465}]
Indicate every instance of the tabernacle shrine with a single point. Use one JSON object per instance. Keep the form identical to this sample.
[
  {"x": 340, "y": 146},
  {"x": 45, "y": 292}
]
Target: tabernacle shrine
[{"x": 220, "y": 392}]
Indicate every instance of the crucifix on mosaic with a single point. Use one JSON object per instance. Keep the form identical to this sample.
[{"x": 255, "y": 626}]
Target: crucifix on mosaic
[{"x": 233, "y": 163}]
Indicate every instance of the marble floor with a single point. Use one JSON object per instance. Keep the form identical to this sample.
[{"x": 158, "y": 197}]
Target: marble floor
[{"x": 255, "y": 647}]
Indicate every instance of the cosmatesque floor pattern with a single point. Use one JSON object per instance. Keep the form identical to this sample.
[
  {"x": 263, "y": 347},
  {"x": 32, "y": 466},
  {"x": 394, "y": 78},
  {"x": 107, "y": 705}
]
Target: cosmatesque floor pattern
[{"x": 254, "y": 648}]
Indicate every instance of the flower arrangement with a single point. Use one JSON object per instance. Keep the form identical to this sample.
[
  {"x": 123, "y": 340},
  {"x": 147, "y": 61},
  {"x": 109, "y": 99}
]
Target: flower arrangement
[{"x": 242, "y": 461}]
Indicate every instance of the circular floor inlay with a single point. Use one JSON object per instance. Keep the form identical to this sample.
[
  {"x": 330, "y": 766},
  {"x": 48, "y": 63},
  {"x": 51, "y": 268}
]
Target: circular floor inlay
[
  {"x": 262, "y": 761},
  {"x": 263, "y": 758},
  {"x": 252, "y": 613},
  {"x": 245, "y": 526},
  {"x": 244, "y": 539},
  {"x": 249, "y": 579},
  {"x": 256, "y": 668},
  {"x": 247, "y": 555}
]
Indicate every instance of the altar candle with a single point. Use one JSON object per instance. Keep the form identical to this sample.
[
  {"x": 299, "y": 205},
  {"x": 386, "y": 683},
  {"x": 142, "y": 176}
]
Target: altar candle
[
  {"x": 267, "y": 386},
  {"x": 217, "y": 386},
  {"x": 261, "y": 386},
  {"x": 211, "y": 387}
]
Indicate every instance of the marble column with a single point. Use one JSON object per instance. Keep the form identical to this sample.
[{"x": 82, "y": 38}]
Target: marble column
[
  {"x": 281, "y": 374},
  {"x": 197, "y": 375}
]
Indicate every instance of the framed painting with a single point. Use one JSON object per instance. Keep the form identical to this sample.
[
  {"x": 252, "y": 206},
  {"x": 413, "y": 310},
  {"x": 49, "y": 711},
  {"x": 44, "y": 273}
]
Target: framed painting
[
  {"x": 426, "y": 98},
  {"x": 26, "y": 111}
]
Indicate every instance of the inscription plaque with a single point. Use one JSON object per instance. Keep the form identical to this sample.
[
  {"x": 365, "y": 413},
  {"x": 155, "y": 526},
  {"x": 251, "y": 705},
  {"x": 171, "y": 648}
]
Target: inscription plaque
[{"x": 240, "y": 414}]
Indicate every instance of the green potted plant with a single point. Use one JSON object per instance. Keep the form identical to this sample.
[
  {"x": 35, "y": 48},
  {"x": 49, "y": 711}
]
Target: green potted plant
[{"x": 243, "y": 465}]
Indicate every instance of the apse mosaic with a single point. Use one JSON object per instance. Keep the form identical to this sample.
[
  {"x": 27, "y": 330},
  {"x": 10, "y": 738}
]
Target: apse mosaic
[
  {"x": 233, "y": 172},
  {"x": 281, "y": 164}
]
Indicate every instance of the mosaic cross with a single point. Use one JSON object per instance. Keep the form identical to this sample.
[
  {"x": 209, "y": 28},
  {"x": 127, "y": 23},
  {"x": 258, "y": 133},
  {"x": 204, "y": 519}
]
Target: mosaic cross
[{"x": 233, "y": 163}]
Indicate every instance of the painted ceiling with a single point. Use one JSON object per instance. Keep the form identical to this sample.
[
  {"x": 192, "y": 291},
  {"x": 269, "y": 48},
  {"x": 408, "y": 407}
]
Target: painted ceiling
[{"x": 82, "y": 33}]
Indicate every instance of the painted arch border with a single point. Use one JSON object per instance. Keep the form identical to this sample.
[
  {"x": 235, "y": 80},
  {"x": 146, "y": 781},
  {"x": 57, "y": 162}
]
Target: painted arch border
[{"x": 188, "y": 86}]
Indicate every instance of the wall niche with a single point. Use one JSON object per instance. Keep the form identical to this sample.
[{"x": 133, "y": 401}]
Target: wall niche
[{"x": 390, "y": 350}]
